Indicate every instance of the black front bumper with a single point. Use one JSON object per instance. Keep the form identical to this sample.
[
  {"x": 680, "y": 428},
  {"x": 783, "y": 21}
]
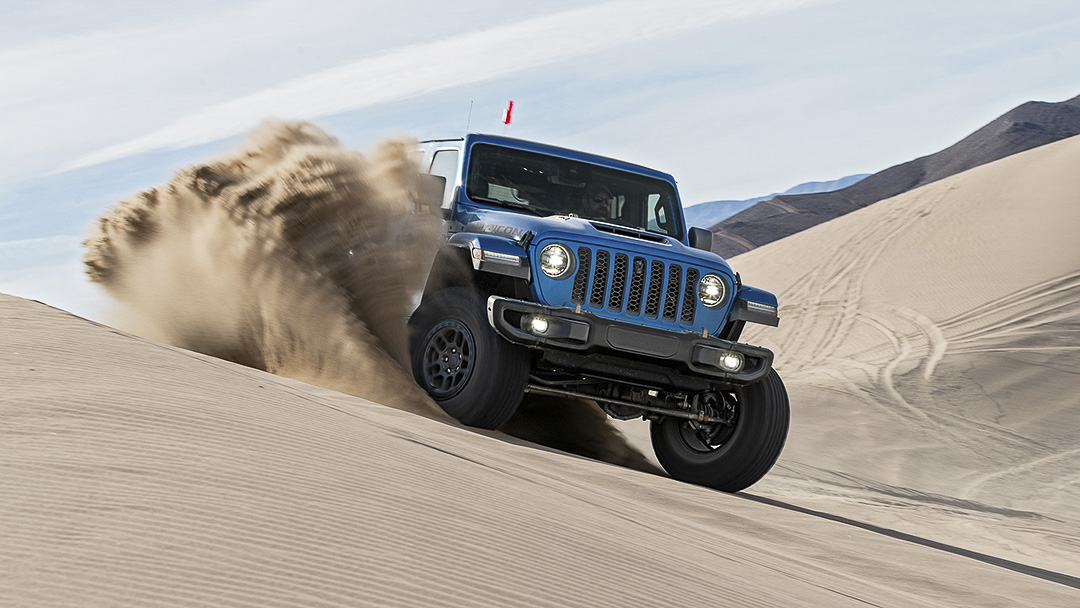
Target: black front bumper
[{"x": 585, "y": 333}]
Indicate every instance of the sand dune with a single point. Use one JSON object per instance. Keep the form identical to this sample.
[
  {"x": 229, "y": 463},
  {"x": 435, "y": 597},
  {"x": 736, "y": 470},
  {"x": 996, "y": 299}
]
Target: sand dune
[
  {"x": 138, "y": 474},
  {"x": 929, "y": 343},
  {"x": 931, "y": 346}
]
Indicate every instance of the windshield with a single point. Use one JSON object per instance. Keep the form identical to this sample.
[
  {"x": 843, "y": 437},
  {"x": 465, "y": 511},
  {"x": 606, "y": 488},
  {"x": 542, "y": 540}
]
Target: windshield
[{"x": 549, "y": 185}]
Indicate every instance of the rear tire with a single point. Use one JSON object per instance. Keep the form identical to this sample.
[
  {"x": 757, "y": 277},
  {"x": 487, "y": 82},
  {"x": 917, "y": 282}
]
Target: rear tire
[
  {"x": 745, "y": 452},
  {"x": 470, "y": 371}
]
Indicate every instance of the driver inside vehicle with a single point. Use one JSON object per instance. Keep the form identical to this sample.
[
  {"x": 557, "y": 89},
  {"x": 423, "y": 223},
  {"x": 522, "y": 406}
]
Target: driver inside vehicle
[{"x": 596, "y": 204}]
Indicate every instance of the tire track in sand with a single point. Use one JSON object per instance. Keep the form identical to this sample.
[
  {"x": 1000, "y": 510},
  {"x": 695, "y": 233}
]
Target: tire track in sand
[
  {"x": 830, "y": 295},
  {"x": 999, "y": 324},
  {"x": 831, "y": 308}
]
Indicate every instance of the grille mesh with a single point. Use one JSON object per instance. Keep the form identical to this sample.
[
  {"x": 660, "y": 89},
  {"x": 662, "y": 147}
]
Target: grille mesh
[
  {"x": 599, "y": 281},
  {"x": 637, "y": 287},
  {"x": 671, "y": 294},
  {"x": 689, "y": 299},
  {"x": 656, "y": 278},
  {"x": 618, "y": 282},
  {"x": 581, "y": 279}
]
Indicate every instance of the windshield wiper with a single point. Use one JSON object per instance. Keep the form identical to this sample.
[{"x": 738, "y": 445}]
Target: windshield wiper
[{"x": 507, "y": 204}]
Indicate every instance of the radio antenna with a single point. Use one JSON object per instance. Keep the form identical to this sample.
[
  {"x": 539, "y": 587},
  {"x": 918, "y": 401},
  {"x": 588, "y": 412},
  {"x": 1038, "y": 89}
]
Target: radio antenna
[{"x": 469, "y": 121}]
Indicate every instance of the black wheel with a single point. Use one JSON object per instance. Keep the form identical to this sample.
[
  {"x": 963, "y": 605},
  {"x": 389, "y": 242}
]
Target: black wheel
[
  {"x": 470, "y": 371},
  {"x": 728, "y": 457}
]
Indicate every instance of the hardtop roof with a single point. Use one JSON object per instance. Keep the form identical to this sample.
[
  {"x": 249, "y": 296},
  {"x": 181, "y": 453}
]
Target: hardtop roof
[{"x": 542, "y": 147}]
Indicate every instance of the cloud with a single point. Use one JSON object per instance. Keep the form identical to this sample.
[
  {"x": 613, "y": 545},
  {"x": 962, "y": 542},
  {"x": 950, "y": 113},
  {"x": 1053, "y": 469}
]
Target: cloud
[
  {"x": 427, "y": 67},
  {"x": 43, "y": 246}
]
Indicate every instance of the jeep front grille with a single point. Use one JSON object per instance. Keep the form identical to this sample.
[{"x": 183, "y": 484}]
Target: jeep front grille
[{"x": 619, "y": 283}]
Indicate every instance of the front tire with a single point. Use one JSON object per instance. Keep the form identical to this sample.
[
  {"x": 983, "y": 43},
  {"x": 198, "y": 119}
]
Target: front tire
[
  {"x": 470, "y": 371},
  {"x": 738, "y": 455}
]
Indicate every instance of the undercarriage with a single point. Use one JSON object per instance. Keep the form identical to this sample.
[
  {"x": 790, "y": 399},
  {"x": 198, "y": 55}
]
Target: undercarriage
[{"x": 705, "y": 409}]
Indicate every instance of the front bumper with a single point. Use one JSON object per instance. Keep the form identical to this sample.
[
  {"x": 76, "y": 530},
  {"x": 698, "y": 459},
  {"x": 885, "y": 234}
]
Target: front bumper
[{"x": 585, "y": 332}]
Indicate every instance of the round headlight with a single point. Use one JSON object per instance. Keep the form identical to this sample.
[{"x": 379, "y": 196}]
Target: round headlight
[
  {"x": 555, "y": 261},
  {"x": 711, "y": 290}
]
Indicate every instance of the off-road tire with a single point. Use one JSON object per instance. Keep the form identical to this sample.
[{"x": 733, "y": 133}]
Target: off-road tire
[
  {"x": 746, "y": 453},
  {"x": 470, "y": 371}
]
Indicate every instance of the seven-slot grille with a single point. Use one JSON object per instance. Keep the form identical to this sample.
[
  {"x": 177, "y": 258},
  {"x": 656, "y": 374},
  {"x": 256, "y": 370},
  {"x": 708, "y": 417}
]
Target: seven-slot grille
[{"x": 632, "y": 284}]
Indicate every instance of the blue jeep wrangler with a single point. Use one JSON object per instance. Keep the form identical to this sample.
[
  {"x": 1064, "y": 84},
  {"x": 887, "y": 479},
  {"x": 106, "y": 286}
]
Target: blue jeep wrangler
[{"x": 573, "y": 275}]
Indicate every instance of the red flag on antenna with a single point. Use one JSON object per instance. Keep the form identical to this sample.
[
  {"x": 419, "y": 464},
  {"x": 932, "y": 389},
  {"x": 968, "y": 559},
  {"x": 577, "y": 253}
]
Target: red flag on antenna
[{"x": 507, "y": 111}]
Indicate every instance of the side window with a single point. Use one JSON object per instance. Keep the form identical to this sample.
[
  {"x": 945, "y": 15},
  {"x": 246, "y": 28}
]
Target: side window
[
  {"x": 445, "y": 164},
  {"x": 657, "y": 216}
]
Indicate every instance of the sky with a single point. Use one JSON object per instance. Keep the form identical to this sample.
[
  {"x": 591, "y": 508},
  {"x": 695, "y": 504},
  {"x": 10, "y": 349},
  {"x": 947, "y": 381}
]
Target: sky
[{"x": 735, "y": 98}]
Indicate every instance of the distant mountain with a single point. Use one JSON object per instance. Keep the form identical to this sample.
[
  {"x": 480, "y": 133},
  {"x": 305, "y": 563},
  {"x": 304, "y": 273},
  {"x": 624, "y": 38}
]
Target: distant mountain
[
  {"x": 1027, "y": 126},
  {"x": 705, "y": 215},
  {"x": 708, "y": 214},
  {"x": 829, "y": 186}
]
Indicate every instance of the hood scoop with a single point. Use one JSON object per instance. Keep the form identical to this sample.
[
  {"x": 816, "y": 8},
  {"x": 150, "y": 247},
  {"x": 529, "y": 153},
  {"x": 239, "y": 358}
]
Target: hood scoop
[{"x": 629, "y": 232}]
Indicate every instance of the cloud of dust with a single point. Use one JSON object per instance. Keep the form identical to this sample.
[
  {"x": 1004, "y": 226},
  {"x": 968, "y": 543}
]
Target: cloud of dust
[
  {"x": 293, "y": 255},
  {"x": 300, "y": 257}
]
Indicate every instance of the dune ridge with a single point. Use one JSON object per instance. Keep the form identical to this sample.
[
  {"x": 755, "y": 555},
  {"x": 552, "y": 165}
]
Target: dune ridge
[{"x": 935, "y": 336}]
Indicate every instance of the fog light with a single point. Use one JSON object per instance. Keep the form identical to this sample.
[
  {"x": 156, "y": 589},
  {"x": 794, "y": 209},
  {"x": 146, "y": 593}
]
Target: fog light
[
  {"x": 539, "y": 325},
  {"x": 729, "y": 361}
]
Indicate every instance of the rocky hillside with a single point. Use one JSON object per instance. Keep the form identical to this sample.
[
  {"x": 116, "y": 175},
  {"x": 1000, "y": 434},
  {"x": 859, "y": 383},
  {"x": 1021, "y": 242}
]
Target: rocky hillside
[
  {"x": 713, "y": 212},
  {"x": 1027, "y": 126}
]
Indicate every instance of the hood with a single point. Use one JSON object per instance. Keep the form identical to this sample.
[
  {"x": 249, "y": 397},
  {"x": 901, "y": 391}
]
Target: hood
[{"x": 513, "y": 225}]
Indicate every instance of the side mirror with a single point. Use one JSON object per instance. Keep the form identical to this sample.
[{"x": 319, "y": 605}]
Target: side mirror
[
  {"x": 700, "y": 238},
  {"x": 430, "y": 191}
]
